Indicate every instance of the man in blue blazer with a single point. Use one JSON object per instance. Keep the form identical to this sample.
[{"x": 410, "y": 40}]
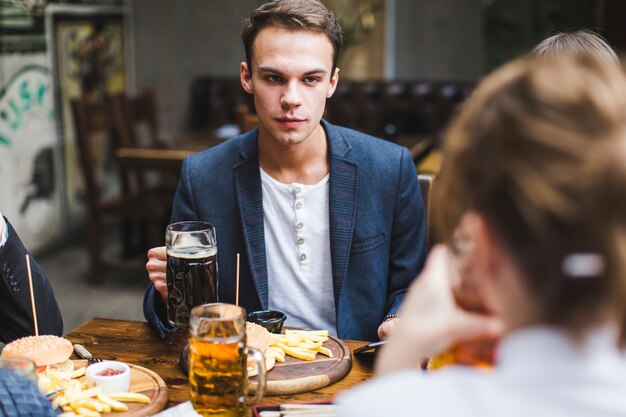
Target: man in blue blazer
[
  {"x": 329, "y": 222},
  {"x": 16, "y": 317}
]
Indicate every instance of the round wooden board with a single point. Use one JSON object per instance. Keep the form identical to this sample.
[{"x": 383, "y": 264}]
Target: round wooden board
[
  {"x": 295, "y": 375},
  {"x": 143, "y": 381}
]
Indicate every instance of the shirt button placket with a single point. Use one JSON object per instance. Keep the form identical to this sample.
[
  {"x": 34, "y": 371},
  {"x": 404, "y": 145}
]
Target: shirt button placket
[{"x": 298, "y": 209}]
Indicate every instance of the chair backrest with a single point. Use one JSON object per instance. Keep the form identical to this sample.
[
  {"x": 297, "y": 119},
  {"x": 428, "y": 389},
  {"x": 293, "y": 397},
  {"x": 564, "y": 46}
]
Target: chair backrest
[
  {"x": 245, "y": 118},
  {"x": 427, "y": 183},
  {"x": 92, "y": 120},
  {"x": 130, "y": 113}
]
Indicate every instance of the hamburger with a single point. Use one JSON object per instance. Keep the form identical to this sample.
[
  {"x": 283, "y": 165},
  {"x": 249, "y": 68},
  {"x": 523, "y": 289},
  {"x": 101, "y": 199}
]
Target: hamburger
[
  {"x": 47, "y": 352},
  {"x": 258, "y": 337}
]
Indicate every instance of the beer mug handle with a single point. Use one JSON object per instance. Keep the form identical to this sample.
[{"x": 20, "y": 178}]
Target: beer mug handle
[{"x": 259, "y": 358}]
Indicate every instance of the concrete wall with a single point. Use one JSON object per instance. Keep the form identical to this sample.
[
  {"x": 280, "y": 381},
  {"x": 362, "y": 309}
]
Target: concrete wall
[
  {"x": 176, "y": 41},
  {"x": 434, "y": 39}
]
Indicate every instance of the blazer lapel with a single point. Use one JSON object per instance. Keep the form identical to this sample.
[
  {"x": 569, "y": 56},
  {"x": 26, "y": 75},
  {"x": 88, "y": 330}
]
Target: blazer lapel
[
  {"x": 250, "y": 201},
  {"x": 343, "y": 184}
]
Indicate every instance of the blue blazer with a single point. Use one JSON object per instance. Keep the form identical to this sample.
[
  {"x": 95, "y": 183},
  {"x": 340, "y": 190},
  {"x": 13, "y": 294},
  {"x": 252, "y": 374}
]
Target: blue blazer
[
  {"x": 377, "y": 225},
  {"x": 16, "y": 315}
]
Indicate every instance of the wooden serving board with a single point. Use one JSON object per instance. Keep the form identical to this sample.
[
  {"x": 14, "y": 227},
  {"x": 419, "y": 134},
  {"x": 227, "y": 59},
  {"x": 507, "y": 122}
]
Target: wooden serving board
[
  {"x": 143, "y": 381},
  {"x": 295, "y": 375}
]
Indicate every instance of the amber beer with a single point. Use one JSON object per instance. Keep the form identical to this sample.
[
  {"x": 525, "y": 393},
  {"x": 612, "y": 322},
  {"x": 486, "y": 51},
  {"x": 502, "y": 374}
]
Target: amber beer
[
  {"x": 478, "y": 353},
  {"x": 191, "y": 281},
  {"x": 218, "y": 379},
  {"x": 191, "y": 273},
  {"x": 219, "y": 364}
]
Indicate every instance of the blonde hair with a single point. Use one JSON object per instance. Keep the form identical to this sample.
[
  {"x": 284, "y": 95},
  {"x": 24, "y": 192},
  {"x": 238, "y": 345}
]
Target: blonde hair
[
  {"x": 576, "y": 43},
  {"x": 527, "y": 152}
]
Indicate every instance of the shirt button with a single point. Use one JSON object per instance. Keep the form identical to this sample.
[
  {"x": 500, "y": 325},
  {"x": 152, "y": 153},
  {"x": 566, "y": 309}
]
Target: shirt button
[
  {"x": 303, "y": 257},
  {"x": 298, "y": 206},
  {"x": 299, "y": 226},
  {"x": 301, "y": 241},
  {"x": 297, "y": 190}
]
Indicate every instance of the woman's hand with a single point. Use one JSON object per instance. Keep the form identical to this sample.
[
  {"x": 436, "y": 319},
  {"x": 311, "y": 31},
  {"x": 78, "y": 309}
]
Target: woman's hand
[{"x": 432, "y": 321}]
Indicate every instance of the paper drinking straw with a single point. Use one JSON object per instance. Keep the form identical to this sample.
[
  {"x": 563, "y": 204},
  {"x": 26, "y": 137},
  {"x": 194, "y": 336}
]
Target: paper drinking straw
[
  {"x": 237, "y": 282},
  {"x": 32, "y": 294}
]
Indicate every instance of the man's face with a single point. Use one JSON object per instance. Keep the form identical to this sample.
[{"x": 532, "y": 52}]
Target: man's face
[{"x": 290, "y": 81}]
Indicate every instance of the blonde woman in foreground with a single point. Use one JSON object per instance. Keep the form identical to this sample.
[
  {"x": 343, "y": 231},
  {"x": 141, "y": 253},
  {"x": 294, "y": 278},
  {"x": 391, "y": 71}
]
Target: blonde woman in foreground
[{"x": 532, "y": 206}]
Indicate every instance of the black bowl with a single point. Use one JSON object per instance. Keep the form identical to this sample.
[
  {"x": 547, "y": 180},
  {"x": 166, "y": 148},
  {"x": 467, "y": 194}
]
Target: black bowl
[{"x": 272, "y": 320}]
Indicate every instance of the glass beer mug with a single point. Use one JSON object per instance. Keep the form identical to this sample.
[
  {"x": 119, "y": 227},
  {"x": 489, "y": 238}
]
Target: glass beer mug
[
  {"x": 218, "y": 377},
  {"x": 192, "y": 276}
]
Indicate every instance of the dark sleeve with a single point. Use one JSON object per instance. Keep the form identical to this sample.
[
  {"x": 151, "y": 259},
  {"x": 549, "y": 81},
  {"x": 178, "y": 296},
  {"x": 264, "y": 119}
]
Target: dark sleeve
[
  {"x": 153, "y": 309},
  {"x": 16, "y": 317},
  {"x": 408, "y": 240},
  {"x": 155, "y": 314}
]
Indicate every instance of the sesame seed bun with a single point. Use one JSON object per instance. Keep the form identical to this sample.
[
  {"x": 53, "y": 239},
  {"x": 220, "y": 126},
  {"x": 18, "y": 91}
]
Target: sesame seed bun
[
  {"x": 43, "y": 350},
  {"x": 257, "y": 336}
]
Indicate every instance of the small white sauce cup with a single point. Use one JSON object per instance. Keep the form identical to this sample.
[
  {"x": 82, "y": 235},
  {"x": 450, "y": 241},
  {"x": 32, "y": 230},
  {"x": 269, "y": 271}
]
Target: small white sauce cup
[{"x": 109, "y": 384}]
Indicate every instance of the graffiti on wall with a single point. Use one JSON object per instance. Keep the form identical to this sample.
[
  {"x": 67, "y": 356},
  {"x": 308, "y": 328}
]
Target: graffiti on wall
[{"x": 29, "y": 184}]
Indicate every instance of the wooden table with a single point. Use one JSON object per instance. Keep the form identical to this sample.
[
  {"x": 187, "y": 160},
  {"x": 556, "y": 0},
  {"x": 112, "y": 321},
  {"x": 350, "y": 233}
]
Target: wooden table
[
  {"x": 150, "y": 158},
  {"x": 136, "y": 342}
]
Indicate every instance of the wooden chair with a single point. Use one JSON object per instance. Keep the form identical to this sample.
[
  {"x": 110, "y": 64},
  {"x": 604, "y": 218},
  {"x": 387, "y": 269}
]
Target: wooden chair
[
  {"x": 246, "y": 119},
  {"x": 129, "y": 115},
  {"x": 132, "y": 112},
  {"x": 427, "y": 183},
  {"x": 92, "y": 120}
]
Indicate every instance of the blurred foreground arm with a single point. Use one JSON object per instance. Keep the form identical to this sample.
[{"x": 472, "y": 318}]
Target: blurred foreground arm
[{"x": 16, "y": 317}]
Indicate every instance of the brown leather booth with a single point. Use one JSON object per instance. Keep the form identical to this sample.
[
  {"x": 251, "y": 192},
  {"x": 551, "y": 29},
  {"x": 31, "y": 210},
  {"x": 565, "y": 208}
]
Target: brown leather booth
[{"x": 387, "y": 109}]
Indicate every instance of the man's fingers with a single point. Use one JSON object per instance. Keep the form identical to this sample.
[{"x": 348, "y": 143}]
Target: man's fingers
[
  {"x": 161, "y": 286},
  {"x": 386, "y": 328},
  {"x": 156, "y": 266},
  {"x": 157, "y": 253}
]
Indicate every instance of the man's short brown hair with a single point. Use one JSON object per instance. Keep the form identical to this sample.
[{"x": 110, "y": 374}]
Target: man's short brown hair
[{"x": 292, "y": 15}]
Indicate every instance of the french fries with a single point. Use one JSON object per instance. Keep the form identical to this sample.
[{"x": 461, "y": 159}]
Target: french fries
[
  {"x": 301, "y": 344},
  {"x": 130, "y": 397},
  {"x": 76, "y": 399}
]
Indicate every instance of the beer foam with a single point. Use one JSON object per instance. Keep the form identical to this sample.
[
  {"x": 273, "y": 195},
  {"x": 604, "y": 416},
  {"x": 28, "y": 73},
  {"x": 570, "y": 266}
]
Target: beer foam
[{"x": 191, "y": 252}]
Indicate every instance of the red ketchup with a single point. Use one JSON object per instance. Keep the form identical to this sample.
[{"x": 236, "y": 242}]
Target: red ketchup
[{"x": 109, "y": 372}]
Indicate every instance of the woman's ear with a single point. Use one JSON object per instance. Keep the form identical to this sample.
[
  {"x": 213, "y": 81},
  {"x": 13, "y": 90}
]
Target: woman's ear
[{"x": 477, "y": 252}]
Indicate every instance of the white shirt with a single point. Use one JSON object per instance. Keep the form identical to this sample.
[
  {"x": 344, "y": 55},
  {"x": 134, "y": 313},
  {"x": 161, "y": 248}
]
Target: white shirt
[
  {"x": 297, "y": 248},
  {"x": 5, "y": 231},
  {"x": 540, "y": 372}
]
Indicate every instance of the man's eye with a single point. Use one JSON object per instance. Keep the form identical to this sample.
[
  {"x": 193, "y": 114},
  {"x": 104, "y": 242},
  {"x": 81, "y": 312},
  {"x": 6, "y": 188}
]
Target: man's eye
[
  {"x": 273, "y": 78},
  {"x": 311, "y": 80}
]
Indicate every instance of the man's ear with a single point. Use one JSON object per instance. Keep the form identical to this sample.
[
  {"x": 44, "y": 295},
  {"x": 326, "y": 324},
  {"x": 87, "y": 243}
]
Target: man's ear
[
  {"x": 333, "y": 84},
  {"x": 246, "y": 77}
]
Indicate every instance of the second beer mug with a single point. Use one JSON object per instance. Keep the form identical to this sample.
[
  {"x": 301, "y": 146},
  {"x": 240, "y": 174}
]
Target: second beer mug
[
  {"x": 218, "y": 357},
  {"x": 192, "y": 276}
]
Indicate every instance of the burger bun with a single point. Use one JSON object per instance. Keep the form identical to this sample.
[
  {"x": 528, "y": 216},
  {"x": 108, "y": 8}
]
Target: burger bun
[
  {"x": 48, "y": 350},
  {"x": 258, "y": 337}
]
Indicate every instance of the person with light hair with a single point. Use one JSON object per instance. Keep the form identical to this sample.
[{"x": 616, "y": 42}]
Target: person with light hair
[
  {"x": 530, "y": 202},
  {"x": 576, "y": 43}
]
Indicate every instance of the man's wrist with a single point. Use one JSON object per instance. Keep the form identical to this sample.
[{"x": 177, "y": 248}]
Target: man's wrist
[{"x": 390, "y": 317}]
